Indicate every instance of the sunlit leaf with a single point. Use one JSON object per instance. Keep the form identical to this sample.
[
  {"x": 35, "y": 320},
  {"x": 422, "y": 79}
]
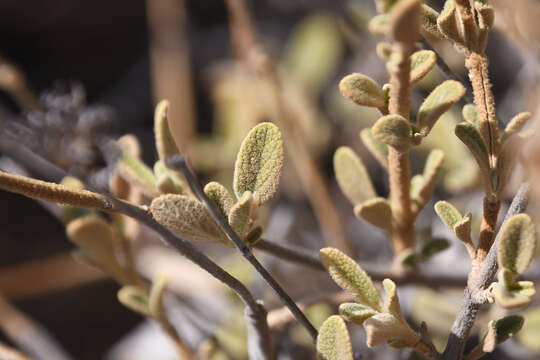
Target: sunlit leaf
[
  {"x": 501, "y": 330},
  {"x": 393, "y": 130},
  {"x": 352, "y": 176},
  {"x": 470, "y": 136},
  {"x": 155, "y": 300},
  {"x": 448, "y": 214},
  {"x": 391, "y": 301},
  {"x": 517, "y": 243},
  {"x": 384, "y": 327},
  {"x": 362, "y": 90},
  {"x": 470, "y": 114},
  {"x": 242, "y": 214},
  {"x": 448, "y": 23},
  {"x": 515, "y": 125},
  {"x": 421, "y": 63},
  {"x": 377, "y": 212},
  {"x": 135, "y": 298},
  {"x": 220, "y": 196},
  {"x": 356, "y": 313},
  {"x": 165, "y": 144},
  {"x": 378, "y": 149},
  {"x": 333, "y": 341}
]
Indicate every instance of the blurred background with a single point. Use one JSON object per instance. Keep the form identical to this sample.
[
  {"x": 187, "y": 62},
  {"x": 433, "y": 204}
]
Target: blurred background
[{"x": 74, "y": 71}]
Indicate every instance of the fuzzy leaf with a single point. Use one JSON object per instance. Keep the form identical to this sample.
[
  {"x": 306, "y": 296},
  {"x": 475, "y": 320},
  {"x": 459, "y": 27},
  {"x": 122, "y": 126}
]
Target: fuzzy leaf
[
  {"x": 393, "y": 130},
  {"x": 421, "y": 63},
  {"x": 165, "y": 185},
  {"x": 242, "y": 214},
  {"x": 417, "y": 182},
  {"x": 517, "y": 243},
  {"x": 391, "y": 302},
  {"x": 515, "y": 125},
  {"x": 501, "y": 330},
  {"x": 486, "y": 18},
  {"x": 405, "y": 18},
  {"x": 511, "y": 299},
  {"x": 136, "y": 172},
  {"x": 507, "y": 159},
  {"x": 356, "y": 313},
  {"x": 384, "y": 50},
  {"x": 378, "y": 149},
  {"x": 348, "y": 275},
  {"x": 462, "y": 229},
  {"x": 259, "y": 162},
  {"x": 470, "y": 114},
  {"x": 187, "y": 217},
  {"x": 362, "y": 90},
  {"x": 437, "y": 103},
  {"x": 429, "y": 178},
  {"x": 447, "y": 22},
  {"x": 408, "y": 258},
  {"x": 155, "y": 300},
  {"x": 429, "y": 22},
  {"x": 161, "y": 171},
  {"x": 333, "y": 341},
  {"x": 470, "y": 136},
  {"x": 434, "y": 246},
  {"x": 220, "y": 196},
  {"x": 165, "y": 144},
  {"x": 377, "y": 212},
  {"x": 449, "y": 215},
  {"x": 352, "y": 176},
  {"x": 384, "y": 327},
  {"x": 134, "y": 298},
  {"x": 379, "y": 24}
]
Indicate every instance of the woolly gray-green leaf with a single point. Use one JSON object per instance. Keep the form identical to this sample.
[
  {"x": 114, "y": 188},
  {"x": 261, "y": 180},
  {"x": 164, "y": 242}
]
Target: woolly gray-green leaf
[
  {"x": 384, "y": 50},
  {"x": 510, "y": 294},
  {"x": 470, "y": 136},
  {"x": 333, "y": 341},
  {"x": 448, "y": 23},
  {"x": 501, "y": 330},
  {"x": 421, "y": 63},
  {"x": 437, "y": 103},
  {"x": 391, "y": 301},
  {"x": 470, "y": 114},
  {"x": 356, "y": 313},
  {"x": 517, "y": 243},
  {"x": 377, "y": 212},
  {"x": 379, "y": 24},
  {"x": 348, "y": 275},
  {"x": 378, "y": 149},
  {"x": 242, "y": 214},
  {"x": 393, "y": 130},
  {"x": 165, "y": 144},
  {"x": 220, "y": 196},
  {"x": 352, "y": 176},
  {"x": 384, "y": 327},
  {"x": 434, "y": 246},
  {"x": 405, "y": 18},
  {"x": 362, "y": 90},
  {"x": 449, "y": 215},
  {"x": 462, "y": 229},
  {"x": 429, "y": 22},
  {"x": 515, "y": 125},
  {"x": 259, "y": 162},
  {"x": 187, "y": 217}
]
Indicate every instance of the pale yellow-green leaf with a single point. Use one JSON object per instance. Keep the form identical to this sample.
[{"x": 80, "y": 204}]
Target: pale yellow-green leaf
[
  {"x": 377, "y": 212},
  {"x": 356, "y": 313},
  {"x": 378, "y": 149},
  {"x": 259, "y": 162},
  {"x": 186, "y": 217},
  {"x": 501, "y": 330},
  {"x": 220, "y": 196},
  {"x": 242, "y": 214},
  {"x": 384, "y": 327},
  {"x": 391, "y": 301},
  {"x": 134, "y": 298},
  {"x": 470, "y": 114},
  {"x": 434, "y": 246},
  {"x": 517, "y": 243},
  {"x": 470, "y": 136},
  {"x": 165, "y": 144},
  {"x": 449, "y": 215},
  {"x": 352, "y": 176},
  {"x": 379, "y": 24},
  {"x": 384, "y": 50},
  {"x": 348, "y": 275},
  {"x": 510, "y": 299},
  {"x": 333, "y": 341},
  {"x": 417, "y": 182},
  {"x": 405, "y": 18},
  {"x": 161, "y": 171},
  {"x": 515, "y": 125},
  {"x": 437, "y": 103},
  {"x": 448, "y": 23},
  {"x": 421, "y": 63},
  {"x": 429, "y": 22},
  {"x": 362, "y": 90},
  {"x": 137, "y": 173},
  {"x": 155, "y": 300},
  {"x": 429, "y": 177},
  {"x": 530, "y": 333},
  {"x": 393, "y": 130}
]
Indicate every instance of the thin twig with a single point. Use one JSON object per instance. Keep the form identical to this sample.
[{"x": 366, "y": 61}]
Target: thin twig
[
  {"x": 478, "y": 282},
  {"x": 178, "y": 162}
]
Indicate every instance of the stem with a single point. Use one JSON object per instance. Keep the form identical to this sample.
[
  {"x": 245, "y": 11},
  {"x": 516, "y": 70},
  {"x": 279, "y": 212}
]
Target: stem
[
  {"x": 487, "y": 229},
  {"x": 469, "y": 29},
  {"x": 178, "y": 162},
  {"x": 479, "y": 279},
  {"x": 184, "y": 352}
]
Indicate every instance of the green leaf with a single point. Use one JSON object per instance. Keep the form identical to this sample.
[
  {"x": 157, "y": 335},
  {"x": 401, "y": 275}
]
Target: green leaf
[
  {"x": 517, "y": 243},
  {"x": 448, "y": 23},
  {"x": 393, "y": 130},
  {"x": 161, "y": 171},
  {"x": 417, "y": 182},
  {"x": 165, "y": 144},
  {"x": 470, "y": 136},
  {"x": 137, "y": 173},
  {"x": 405, "y": 19},
  {"x": 187, "y": 217},
  {"x": 379, "y": 24},
  {"x": 437, "y": 103},
  {"x": 384, "y": 50},
  {"x": 352, "y": 176},
  {"x": 155, "y": 300},
  {"x": 378, "y": 149},
  {"x": 501, "y": 330},
  {"x": 242, "y": 214},
  {"x": 434, "y": 246},
  {"x": 348, "y": 275},
  {"x": 485, "y": 17},
  {"x": 384, "y": 327},
  {"x": 362, "y": 90},
  {"x": 220, "y": 196},
  {"x": 421, "y": 63},
  {"x": 470, "y": 114},
  {"x": 429, "y": 22},
  {"x": 408, "y": 258},
  {"x": 259, "y": 162},
  {"x": 391, "y": 301},
  {"x": 333, "y": 341},
  {"x": 377, "y": 212},
  {"x": 134, "y": 298},
  {"x": 515, "y": 125},
  {"x": 449, "y": 215},
  {"x": 356, "y": 313},
  {"x": 510, "y": 299}
]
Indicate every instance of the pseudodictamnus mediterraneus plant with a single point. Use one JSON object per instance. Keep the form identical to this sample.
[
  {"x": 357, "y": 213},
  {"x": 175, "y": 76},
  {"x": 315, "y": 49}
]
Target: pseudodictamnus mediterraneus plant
[{"x": 466, "y": 25}]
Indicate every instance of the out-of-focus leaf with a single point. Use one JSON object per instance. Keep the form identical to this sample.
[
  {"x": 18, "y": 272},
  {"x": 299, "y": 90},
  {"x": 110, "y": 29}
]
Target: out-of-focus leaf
[
  {"x": 385, "y": 5},
  {"x": 165, "y": 144},
  {"x": 470, "y": 136},
  {"x": 530, "y": 333},
  {"x": 515, "y": 125},
  {"x": 384, "y": 327},
  {"x": 333, "y": 341},
  {"x": 429, "y": 22},
  {"x": 356, "y": 313},
  {"x": 259, "y": 162},
  {"x": 161, "y": 171},
  {"x": 377, "y": 212},
  {"x": 378, "y": 149},
  {"x": 393, "y": 130},
  {"x": 384, "y": 50},
  {"x": 405, "y": 18},
  {"x": 220, "y": 196},
  {"x": 517, "y": 243},
  {"x": 501, "y": 330},
  {"x": 136, "y": 172},
  {"x": 448, "y": 23},
  {"x": 362, "y": 90},
  {"x": 421, "y": 63},
  {"x": 470, "y": 114},
  {"x": 429, "y": 177},
  {"x": 347, "y": 274},
  {"x": 391, "y": 301},
  {"x": 434, "y": 246},
  {"x": 134, "y": 298},
  {"x": 352, "y": 176},
  {"x": 71, "y": 212},
  {"x": 254, "y": 235},
  {"x": 155, "y": 300},
  {"x": 379, "y": 24}
]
